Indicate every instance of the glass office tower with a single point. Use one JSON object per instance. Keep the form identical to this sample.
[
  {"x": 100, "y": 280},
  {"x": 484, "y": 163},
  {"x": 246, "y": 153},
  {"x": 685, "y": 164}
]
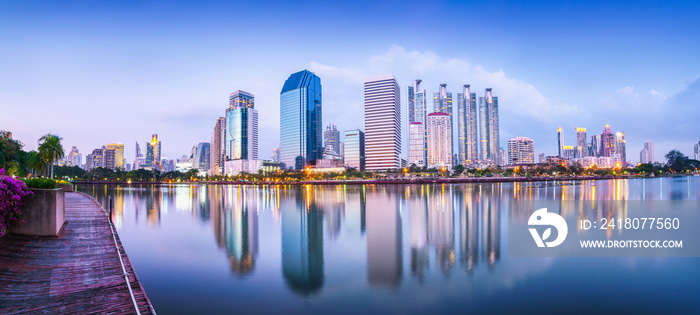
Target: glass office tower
[{"x": 301, "y": 125}]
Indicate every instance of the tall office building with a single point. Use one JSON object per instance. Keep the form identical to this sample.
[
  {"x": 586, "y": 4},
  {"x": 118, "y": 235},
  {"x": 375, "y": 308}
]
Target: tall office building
[
  {"x": 241, "y": 136},
  {"x": 595, "y": 146},
  {"x": 416, "y": 144},
  {"x": 620, "y": 147},
  {"x": 488, "y": 124},
  {"x": 382, "y": 123},
  {"x": 153, "y": 153},
  {"x": 467, "y": 117},
  {"x": 607, "y": 142},
  {"x": 696, "y": 151},
  {"x": 649, "y": 146},
  {"x": 581, "y": 145},
  {"x": 216, "y": 148},
  {"x": 354, "y": 155},
  {"x": 108, "y": 157},
  {"x": 200, "y": 160},
  {"x": 118, "y": 161},
  {"x": 521, "y": 150},
  {"x": 560, "y": 142},
  {"x": 331, "y": 139},
  {"x": 276, "y": 155},
  {"x": 301, "y": 125},
  {"x": 439, "y": 130}
]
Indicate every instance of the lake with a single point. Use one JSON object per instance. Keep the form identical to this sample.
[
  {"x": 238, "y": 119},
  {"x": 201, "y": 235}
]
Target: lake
[{"x": 382, "y": 248}]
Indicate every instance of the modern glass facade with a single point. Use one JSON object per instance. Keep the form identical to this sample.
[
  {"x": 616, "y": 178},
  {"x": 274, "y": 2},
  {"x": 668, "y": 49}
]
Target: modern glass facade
[
  {"x": 241, "y": 135},
  {"x": 301, "y": 125},
  {"x": 467, "y": 121},
  {"x": 331, "y": 139},
  {"x": 488, "y": 124},
  {"x": 153, "y": 152},
  {"x": 241, "y": 99},
  {"x": 201, "y": 160},
  {"x": 354, "y": 149}
]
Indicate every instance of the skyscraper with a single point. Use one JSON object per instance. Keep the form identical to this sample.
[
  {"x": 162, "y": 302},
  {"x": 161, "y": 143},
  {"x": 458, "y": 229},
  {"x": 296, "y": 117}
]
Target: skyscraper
[
  {"x": 644, "y": 156},
  {"x": 416, "y": 144},
  {"x": 382, "y": 123},
  {"x": 595, "y": 146},
  {"x": 696, "y": 151},
  {"x": 521, "y": 150},
  {"x": 649, "y": 146},
  {"x": 560, "y": 142},
  {"x": 200, "y": 160},
  {"x": 439, "y": 131},
  {"x": 139, "y": 161},
  {"x": 354, "y": 149},
  {"x": 416, "y": 103},
  {"x": 74, "y": 158},
  {"x": 607, "y": 142},
  {"x": 216, "y": 148},
  {"x": 331, "y": 139},
  {"x": 467, "y": 117},
  {"x": 301, "y": 125},
  {"x": 620, "y": 147},
  {"x": 581, "y": 145},
  {"x": 488, "y": 125},
  {"x": 153, "y": 153},
  {"x": 241, "y": 136}
]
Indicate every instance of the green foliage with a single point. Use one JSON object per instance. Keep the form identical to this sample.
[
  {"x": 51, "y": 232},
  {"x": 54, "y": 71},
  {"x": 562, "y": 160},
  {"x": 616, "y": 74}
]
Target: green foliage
[
  {"x": 50, "y": 151},
  {"x": 41, "y": 183},
  {"x": 70, "y": 172}
]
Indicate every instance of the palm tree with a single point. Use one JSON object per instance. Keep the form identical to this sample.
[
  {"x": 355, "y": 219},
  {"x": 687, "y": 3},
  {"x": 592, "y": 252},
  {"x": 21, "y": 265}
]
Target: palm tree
[{"x": 50, "y": 150}]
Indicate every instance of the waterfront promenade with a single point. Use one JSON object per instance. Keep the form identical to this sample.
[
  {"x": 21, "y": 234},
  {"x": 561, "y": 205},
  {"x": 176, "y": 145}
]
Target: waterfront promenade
[{"x": 77, "y": 272}]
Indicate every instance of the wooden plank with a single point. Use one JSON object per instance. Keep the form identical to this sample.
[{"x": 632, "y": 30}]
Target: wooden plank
[{"x": 77, "y": 272}]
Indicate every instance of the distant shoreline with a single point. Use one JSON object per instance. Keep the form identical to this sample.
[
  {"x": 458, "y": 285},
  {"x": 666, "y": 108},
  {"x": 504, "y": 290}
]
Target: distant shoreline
[{"x": 374, "y": 181}]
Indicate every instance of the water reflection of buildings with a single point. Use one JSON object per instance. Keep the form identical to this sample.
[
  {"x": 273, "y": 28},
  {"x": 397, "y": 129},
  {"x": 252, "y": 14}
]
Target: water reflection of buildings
[
  {"x": 480, "y": 224},
  {"x": 234, "y": 215},
  {"x": 302, "y": 240},
  {"x": 384, "y": 257},
  {"x": 332, "y": 198},
  {"x": 417, "y": 223},
  {"x": 441, "y": 226},
  {"x": 355, "y": 209}
]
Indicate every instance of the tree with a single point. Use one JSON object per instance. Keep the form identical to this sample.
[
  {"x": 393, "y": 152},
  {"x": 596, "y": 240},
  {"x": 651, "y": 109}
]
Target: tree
[
  {"x": 50, "y": 150},
  {"x": 459, "y": 169},
  {"x": 676, "y": 160}
]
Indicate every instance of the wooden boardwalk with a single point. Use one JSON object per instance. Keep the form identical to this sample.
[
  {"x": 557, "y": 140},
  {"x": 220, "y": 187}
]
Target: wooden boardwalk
[{"x": 77, "y": 272}]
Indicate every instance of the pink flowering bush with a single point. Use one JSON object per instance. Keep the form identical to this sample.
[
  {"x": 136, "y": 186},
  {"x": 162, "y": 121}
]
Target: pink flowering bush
[{"x": 12, "y": 192}]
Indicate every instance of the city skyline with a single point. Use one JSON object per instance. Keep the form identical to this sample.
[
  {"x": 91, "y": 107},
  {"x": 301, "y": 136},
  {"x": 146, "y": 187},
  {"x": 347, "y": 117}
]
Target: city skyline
[{"x": 159, "y": 83}]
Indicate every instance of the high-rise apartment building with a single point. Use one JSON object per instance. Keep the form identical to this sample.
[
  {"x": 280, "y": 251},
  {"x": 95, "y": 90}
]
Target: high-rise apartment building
[
  {"x": 416, "y": 144},
  {"x": 439, "y": 130},
  {"x": 560, "y": 142},
  {"x": 217, "y": 147},
  {"x": 382, "y": 123},
  {"x": 354, "y": 155},
  {"x": 301, "y": 125},
  {"x": 649, "y": 146},
  {"x": 117, "y": 162},
  {"x": 607, "y": 142},
  {"x": 442, "y": 103},
  {"x": 241, "y": 136},
  {"x": 331, "y": 139},
  {"x": 581, "y": 144},
  {"x": 696, "y": 151},
  {"x": 74, "y": 158},
  {"x": 621, "y": 147},
  {"x": 644, "y": 156},
  {"x": 467, "y": 120},
  {"x": 488, "y": 124},
  {"x": 153, "y": 153},
  {"x": 417, "y": 107},
  {"x": 521, "y": 150}
]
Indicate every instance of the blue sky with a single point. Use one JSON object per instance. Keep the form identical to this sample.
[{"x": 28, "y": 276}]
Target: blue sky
[{"x": 101, "y": 72}]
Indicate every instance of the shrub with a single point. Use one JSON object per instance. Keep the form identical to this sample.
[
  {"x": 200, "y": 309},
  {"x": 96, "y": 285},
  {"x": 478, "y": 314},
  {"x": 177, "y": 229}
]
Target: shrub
[
  {"x": 41, "y": 183},
  {"x": 12, "y": 192}
]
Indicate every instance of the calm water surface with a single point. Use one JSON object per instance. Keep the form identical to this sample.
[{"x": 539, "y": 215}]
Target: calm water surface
[{"x": 394, "y": 248}]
